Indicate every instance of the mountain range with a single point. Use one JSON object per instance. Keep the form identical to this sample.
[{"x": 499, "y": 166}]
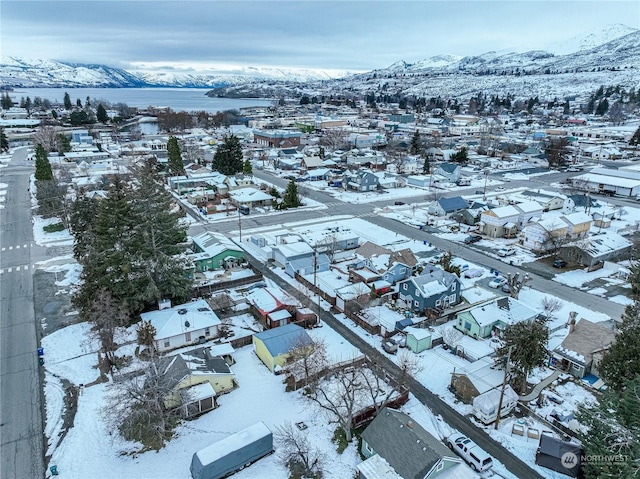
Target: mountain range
[{"x": 609, "y": 56}]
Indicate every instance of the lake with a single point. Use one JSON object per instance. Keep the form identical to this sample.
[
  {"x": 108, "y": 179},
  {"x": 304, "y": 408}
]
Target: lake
[{"x": 178, "y": 99}]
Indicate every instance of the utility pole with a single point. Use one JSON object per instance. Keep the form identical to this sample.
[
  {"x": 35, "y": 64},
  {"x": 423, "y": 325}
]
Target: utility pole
[
  {"x": 239, "y": 222},
  {"x": 504, "y": 384}
]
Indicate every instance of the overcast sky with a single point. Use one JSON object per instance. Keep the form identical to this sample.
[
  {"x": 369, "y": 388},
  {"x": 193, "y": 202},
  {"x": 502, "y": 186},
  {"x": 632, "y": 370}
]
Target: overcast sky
[{"x": 341, "y": 35}]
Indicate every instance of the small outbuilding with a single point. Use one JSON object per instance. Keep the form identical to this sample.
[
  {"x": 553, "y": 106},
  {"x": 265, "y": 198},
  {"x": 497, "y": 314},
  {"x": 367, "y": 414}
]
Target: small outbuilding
[
  {"x": 485, "y": 406},
  {"x": 418, "y": 339},
  {"x": 274, "y": 345},
  {"x": 560, "y": 456}
]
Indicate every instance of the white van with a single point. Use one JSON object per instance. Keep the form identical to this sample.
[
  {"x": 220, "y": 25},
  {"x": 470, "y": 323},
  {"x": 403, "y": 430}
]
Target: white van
[{"x": 468, "y": 450}]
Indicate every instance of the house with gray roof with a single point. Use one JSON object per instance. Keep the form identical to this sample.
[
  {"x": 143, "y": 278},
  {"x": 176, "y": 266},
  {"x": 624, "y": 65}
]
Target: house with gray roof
[
  {"x": 492, "y": 317},
  {"x": 580, "y": 352},
  {"x": 596, "y": 248},
  {"x": 434, "y": 289},
  {"x": 213, "y": 251},
  {"x": 405, "y": 446},
  {"x": 450, "y": 171},
  {"x": 446, "y": 206}
]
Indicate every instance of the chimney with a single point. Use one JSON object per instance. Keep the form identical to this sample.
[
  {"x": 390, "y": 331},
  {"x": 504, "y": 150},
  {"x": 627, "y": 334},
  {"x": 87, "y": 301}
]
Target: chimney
[{"x": 572, "y": 321}]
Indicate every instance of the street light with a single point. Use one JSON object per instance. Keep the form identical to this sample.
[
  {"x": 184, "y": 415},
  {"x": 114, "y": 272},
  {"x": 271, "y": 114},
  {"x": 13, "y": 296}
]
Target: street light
[{"x": 484, "y": 191}]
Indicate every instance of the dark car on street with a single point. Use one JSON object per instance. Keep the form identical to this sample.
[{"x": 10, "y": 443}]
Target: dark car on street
[
  {"x": 559, "y": 263},
  {"x": 472, "y": 239}
]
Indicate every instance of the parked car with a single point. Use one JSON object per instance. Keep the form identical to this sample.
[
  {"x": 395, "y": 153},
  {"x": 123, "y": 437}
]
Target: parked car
[
  {"x": 390, "y": 346},
  {"x": 504, "y": 252},
  {"x": 559, "y": 263},
  {"x": 506, "y": 288},
  {"x": 499, "y": 188},
  {"x": 473, "y": 273},
  {"x": 399, "y": 203},
  {"x": 472, "y": 239},
  {"x": 497, "y": 282},
  {"x": 468, "y": 450}
]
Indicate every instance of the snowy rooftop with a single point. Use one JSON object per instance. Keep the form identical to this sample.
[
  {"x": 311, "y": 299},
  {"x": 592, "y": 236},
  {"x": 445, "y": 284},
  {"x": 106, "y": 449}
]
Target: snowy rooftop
[
  {"x": 507, "y": 310},
  {"x": 181, "y": 319}
]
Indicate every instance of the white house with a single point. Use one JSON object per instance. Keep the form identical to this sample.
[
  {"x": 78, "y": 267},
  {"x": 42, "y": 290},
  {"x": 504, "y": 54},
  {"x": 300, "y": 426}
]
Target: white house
[{"x": 183, "y": 324}]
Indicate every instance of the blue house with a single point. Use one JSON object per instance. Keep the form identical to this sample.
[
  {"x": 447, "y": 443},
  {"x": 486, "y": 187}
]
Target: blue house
[
  {"x": 306, "y": 264},
  {"x": 435, "y": 289},
  {"x": 446, "y": 206},
  {"x": 397, "y": 272},
  {"x": 360, "y": 181}
]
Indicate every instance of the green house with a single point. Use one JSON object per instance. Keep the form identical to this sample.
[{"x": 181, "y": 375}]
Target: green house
[
  {"x": 212, "y": 251},
  {"x": 418, "y": 339},
  {"x": 491, "y": 318}
]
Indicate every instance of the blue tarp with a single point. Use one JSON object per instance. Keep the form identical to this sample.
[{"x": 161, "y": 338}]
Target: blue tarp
[{"x": 403, "y": 323}]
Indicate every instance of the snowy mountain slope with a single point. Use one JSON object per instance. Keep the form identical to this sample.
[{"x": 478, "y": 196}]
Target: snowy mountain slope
[
  {"x": 589, "y": 40},
  {"x": 49, "y": 73}
]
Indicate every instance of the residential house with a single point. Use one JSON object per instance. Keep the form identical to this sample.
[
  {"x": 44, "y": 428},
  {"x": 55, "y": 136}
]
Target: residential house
[
  {"x": 490, "y": 318},
  {"x": 578, "y": 225},
  {"x": 450, "y": 171},
  {"x": 405, "y": 446},
  {"x": 238, "y": 181},
  {"x": 476, "y": 379},
  {"x": 435, "y": 289},
  {"x": 318, "y": 174},
  {"x": 472, "y": 215},
  {"x": 446, "y": 206},
  {"x": 289, "y": 250},
  {"x": 213, "y": 251},
  {"x": 547, "y": 201},
  {"x": 250, "y": 197},
  {"x": 305, "y": 265},
  {"x": 274, "y": 346},
  {"x": 361, "y": 180},
  {"x": 311, "y": 163},
  {"x": 581, "y": 351},
  {"x": 597, "y": 248},
  {"x": 190, "y": 369},
  {"x": 528, "y": 211},
  {"x": 500, "y": 222},
  {"x": 265, "y": 302},
  {"x": 181, "y": 325}
]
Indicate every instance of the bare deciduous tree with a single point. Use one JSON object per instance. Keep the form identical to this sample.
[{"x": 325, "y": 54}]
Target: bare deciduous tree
[
  {"x": 307, "y": 362},
  {"x": 296, "y": 452},
  {"x": 47, "y": 136},
  {"x": 451, "y": 337},
  {"x": 145, "y": 408},
  {"x": 550, "y": 306},
  {"x": 516, "y": 282},
  {"x": 381, "y": 388},
  {"x": 334, "y": 138}
]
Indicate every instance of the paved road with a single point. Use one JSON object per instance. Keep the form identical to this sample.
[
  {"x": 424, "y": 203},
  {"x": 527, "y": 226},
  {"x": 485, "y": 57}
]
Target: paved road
[
  {"x": 452, "y": 417},
  {"x": 21, "y": 423},
  {"x": 336, "y": 207}
]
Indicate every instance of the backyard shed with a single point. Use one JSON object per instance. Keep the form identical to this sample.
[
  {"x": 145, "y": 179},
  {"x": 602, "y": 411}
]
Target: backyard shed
[
  {"x": 274, "y": 345},
  {"x": 485, "y": 406},
  {"x": 418, "y": 339},
  {"x": 232, "y": 453},
  {"x": 559, "y": 456}
]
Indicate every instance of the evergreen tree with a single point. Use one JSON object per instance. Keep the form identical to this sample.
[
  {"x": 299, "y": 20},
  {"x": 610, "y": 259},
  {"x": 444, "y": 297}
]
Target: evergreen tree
[
  {"x": 81, "y": 222},
  {"x": 228, "y": 157},
  {"x": 603, "y": 107},
  {"x": 108, "y": 262},
  {"x": 6, "y": 102},
  {"x": 159, "y": 239},
  {"x": 621, "y": 362},
  {"x": 290, "y": 198},
  {"x": 79, "y": 104},
  {"x": 101, "y": 114},
  {"x": 64, "y": 143},
  {"x": 461, "y": 156},
  {"x": 416, "y": 146},
  {"x": 67, "y": 101},
  {"x": 635, "y": 139},
  {"x": 43, "y": 167},
  {"x": 4, "y": 141},
  {"x": 528, "y": 343},
  {"x": 176, "y": 167},
  {"x": 611, "y": 429},
  {"x": 247, "y": 169},
  {"x": 133, "y": 249},
  {"x": 426, "y": 167}
]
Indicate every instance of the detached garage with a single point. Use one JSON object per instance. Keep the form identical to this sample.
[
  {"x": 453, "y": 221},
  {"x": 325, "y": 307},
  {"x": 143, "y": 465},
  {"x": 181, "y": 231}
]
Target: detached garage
[
  {"x": 418, "y": 339},
  {"x": 274, "y": 345}
]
